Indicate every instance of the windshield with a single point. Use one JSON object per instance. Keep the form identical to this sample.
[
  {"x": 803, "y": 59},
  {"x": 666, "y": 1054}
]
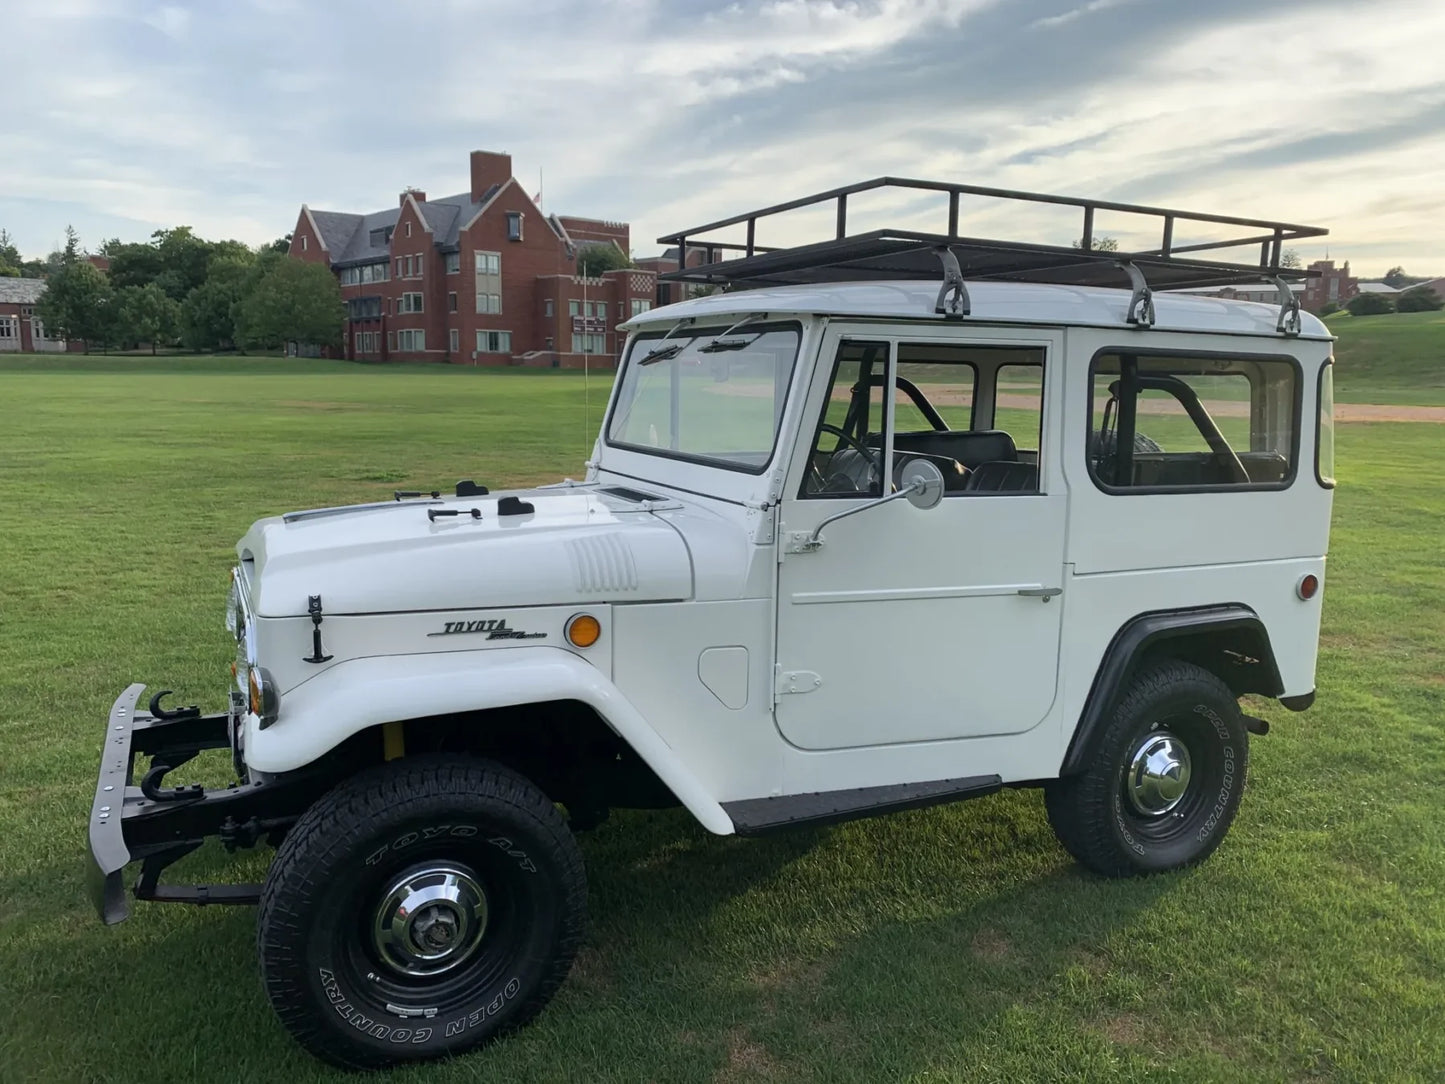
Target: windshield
[{"x": 705, "y": 395}]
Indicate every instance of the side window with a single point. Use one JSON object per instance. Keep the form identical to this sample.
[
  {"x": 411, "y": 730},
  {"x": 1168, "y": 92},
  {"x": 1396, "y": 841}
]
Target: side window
[
  {"x": 847, "y": 455},
  {"x": 1325, "y": 428},
  {"x": 1019, "y": 406},
  {"x": 1183, "y": 423},
  {"x": 973, "y": 410}
]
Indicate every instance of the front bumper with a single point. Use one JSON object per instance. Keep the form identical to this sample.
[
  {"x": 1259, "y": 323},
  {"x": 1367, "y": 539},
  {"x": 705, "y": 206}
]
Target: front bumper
[{"x": 157, "y": 825}]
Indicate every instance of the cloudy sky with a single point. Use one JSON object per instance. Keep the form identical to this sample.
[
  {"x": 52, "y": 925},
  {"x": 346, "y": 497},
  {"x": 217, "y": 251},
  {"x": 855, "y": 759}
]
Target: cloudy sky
[{"x": 124, "y": 116}]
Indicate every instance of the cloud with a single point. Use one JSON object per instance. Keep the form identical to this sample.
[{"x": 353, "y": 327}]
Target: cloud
[{"x": 228, "y": 117}]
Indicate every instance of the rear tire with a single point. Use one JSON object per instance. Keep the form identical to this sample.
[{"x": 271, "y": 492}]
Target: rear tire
[
  {"x": 418, "y": 910},
  {"x": 1165, "y": 780}
]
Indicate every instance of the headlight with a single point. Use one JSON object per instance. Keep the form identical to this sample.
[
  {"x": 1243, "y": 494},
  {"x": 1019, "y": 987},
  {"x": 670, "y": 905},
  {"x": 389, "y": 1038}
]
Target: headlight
[
  {"x": 264, "y": 699},
  {"x": 241, "y": 626}
]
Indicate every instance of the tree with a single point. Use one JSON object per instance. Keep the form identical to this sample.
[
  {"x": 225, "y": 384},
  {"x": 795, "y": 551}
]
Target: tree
[
  {"x": 1397, "y": 278},
  {"x": 1370, "y": 304},
  {"x": 594, "y": 260},
  {"x": 184, "y": 258},
  {"x": 145, "y": 314},
  {"x": 77, "y": 304},
  {"x": 1329, "y": 308},
  {"x": 132, "y": 263},
  {"x": 291, "y": 301},
  {"x": 10, "y": 261},
  {"x": 71, "y": 253},
  {"x": 1099, "y": 244},
  {"x": 1291, "y": 259},
  {"x": 1419, "y": 299},
  {"x": 207, "y": 317},
  {"x": 281, "y": 245}
]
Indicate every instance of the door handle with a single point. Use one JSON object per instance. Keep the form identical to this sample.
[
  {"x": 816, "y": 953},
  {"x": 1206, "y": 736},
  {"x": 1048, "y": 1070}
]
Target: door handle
[{"x": 1044, "y": 593}]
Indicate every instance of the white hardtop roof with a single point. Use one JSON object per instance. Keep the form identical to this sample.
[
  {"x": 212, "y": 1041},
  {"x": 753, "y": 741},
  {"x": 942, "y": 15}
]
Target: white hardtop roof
[{"x": 992, "y": 302}]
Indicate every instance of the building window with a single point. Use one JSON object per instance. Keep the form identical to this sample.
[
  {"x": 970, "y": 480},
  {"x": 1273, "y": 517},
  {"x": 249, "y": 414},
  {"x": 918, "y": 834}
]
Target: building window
[
  {"x": 574, "y": 308},
  {"x": 489, "y": 263},
  {"x": 494, "y": 342},
  {"x": 547, "y": 308},
  {"x": 391, "y": 340},
  {"x": 550, "y": 341},
  {"x": 514, "y": 225},
  {"x": 451, "y": 302},
  {"x": 454, "y": 339},
  {"x": 420, "y": 263},
  {"x": 303, "y": 242},
  {"x": 411, "y": 339},
  {"x": 454, "y": 262},
  {"x": 379, "y": 237},
  {"x": 411, "y": 302},
  {"x": 408, "y": 229},
  {"x": 588, "y": 343},
  {"x": 639, "y": 306},
  {"x": 363, "y": 308},
  {"x": 602, "y": 310},
  {"x": 7, "y": 328},
  {"x": 398, "y": 267},
  {"x": 489, "y": 304}
]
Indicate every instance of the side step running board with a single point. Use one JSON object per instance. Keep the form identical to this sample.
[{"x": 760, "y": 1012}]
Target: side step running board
[{"x": 753, "y": 816}]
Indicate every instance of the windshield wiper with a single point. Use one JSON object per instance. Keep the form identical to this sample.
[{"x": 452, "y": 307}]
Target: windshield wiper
[
  {"x": 722, "y": 342},
  {"x": 662, "y": 353},
  {"x": 671, "y": 350}
]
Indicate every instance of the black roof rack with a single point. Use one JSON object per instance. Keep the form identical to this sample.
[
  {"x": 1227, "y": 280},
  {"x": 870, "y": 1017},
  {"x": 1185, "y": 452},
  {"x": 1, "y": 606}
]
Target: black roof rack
[{"x": 912, "y": 254}]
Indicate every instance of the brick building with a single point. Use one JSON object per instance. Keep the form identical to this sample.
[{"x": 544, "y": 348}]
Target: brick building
[
  {"x": 1334, "y": 284},
  {"x": 20, "y": 329},
  {"x": 481, "y": 278}
]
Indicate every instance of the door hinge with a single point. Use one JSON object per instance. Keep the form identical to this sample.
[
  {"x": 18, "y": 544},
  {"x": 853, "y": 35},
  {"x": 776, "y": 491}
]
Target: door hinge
[{"x": 795, "y": 681}]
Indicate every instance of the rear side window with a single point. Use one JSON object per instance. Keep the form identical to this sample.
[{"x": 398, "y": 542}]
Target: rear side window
[
  {"x": 1325, "y": 434},
  {"x": 1167, "y": 423}
]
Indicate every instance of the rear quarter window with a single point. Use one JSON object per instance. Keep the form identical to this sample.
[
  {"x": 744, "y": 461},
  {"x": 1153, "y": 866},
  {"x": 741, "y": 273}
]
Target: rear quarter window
[{"x": 1192, "y": 422}]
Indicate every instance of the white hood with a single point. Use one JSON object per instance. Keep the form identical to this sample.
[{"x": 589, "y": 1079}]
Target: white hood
[{"x": 574, "y": 547}]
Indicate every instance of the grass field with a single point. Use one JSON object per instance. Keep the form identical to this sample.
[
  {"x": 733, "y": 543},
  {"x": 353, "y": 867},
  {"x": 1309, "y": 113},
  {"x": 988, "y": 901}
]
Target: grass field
[
  {"x": 955, "y": 944},
  {"x": 1399, "y": 358}
]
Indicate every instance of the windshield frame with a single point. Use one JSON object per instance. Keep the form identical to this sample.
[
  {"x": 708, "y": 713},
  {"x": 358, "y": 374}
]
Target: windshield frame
[{"x": 654, "y": 334}]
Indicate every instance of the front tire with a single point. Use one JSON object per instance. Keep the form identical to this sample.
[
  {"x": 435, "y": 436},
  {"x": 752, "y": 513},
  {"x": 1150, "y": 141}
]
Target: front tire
[
  {"x": 1165, "y": 780},
  {"x": 420, "y": 909}
]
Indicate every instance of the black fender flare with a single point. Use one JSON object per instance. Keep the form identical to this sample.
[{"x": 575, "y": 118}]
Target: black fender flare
[{"x": 1229, "y": 639}]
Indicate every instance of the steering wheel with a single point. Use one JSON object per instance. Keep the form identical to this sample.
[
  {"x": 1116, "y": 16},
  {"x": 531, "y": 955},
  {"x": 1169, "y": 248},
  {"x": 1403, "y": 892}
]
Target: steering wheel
[{"x": 872, "y": 456}]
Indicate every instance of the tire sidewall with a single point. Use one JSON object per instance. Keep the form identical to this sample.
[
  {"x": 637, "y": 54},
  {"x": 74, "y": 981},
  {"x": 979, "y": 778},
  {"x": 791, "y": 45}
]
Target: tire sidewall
[
  {"x": 511, "y": 852},
  {"x": 1213, "y": 731}
]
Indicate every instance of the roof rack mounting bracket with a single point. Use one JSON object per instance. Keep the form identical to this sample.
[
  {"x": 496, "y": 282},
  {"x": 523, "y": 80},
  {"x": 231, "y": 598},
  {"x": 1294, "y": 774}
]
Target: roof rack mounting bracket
[
  {"x": 1141, "y": 305},
  {"x": 1289, "y": 317},
  {"x": 953, "y": 302}
]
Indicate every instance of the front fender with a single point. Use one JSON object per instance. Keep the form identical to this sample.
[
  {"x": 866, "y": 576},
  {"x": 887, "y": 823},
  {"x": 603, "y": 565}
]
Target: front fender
[{"x": 352, "y": 696}]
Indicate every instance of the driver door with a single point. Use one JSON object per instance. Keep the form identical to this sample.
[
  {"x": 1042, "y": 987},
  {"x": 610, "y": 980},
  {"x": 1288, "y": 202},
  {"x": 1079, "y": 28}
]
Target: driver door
[{"x": 906, "y": 624}]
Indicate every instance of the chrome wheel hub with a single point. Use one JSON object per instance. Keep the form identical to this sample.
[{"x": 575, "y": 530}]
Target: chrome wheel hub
[
  {"x": 430, "y": 919},
  {"x": 1156, "y": 775}
]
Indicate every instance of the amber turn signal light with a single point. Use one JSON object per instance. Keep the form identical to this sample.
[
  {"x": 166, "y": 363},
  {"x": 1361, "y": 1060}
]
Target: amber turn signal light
[
  {"x": 583, "y": 630},
  {"x": 1308, "y": 587}
]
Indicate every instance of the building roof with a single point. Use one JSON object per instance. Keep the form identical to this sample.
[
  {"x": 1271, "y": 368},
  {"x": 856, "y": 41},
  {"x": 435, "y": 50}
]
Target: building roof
[
  {"x": 21, "y": 291},
  {"x": 1376, "y": 288},
  {"x": 992, "y": 302},
  {"x": 348, "y": 236}
]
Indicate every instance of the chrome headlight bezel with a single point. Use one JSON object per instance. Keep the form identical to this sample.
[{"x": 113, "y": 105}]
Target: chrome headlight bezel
[{"x": 242, "y": 626}]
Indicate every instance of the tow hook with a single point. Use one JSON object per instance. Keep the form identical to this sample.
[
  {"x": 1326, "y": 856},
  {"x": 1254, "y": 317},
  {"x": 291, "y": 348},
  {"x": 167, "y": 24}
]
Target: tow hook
[{"x": 1256, "y": 725}]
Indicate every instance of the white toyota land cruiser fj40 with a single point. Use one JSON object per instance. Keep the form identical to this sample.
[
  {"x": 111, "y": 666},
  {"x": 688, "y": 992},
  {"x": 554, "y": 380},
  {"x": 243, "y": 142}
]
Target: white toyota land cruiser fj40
[{"x": 893, "y": 519}]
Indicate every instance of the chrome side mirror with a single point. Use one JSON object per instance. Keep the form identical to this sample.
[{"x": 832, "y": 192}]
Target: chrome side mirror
[{"x": 921, "y": 484}]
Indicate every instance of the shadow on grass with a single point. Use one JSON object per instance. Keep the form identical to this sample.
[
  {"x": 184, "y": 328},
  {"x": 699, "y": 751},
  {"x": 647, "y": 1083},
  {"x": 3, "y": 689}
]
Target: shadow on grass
[{"x": 798, "y": 956}]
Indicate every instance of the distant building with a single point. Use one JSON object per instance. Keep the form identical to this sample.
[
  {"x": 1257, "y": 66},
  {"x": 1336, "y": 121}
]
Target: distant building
[
  {"x": 1438, "y": 285},
  {"x": 20, "y": 329},
  {"x": 1382, "y": 288},
  {"x": 1264, "y": 292},
  {"x": 1333, "y": 284},
  {"x": 482, "y": 277}
]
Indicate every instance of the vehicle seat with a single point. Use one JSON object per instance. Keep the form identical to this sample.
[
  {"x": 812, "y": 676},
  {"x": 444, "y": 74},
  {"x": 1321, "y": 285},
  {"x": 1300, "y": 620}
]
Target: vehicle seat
[
  {"x": 1003, "y": 476},
  {"x": 968, "y": 446}
]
